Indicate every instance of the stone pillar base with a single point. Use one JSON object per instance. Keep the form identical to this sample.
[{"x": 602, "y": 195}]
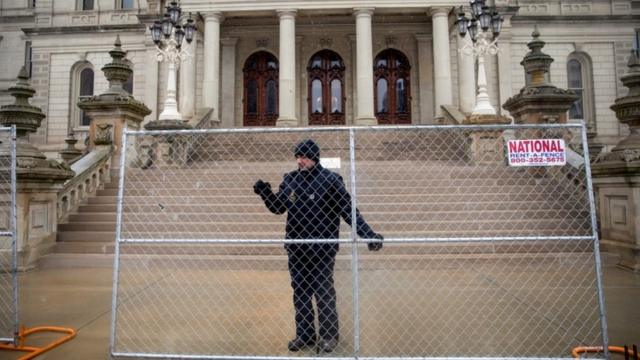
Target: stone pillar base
[
  {"x": 287, "y": 122},
  {"x": 487, "y": 147},
  {"x": 365, "y": 121},
  {"x": 629, "y": 253}
]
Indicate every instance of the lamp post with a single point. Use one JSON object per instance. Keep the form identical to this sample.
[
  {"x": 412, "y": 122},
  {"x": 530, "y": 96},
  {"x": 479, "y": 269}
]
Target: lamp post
[
  {"x": 168, "y": 34},
  {"x": 484, "y": 27}
]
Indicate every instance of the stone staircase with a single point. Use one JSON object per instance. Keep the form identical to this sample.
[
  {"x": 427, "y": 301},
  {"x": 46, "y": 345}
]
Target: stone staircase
[{"x": 439, "y": 198}]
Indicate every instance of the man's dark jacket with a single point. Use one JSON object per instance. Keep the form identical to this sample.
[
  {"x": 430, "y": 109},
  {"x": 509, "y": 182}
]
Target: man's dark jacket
[{"x": 314, "y": 200}]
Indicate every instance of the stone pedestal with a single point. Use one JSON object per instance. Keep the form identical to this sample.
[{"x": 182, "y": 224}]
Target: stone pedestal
[
  {"x": 487, "y": 146},
  {"x": 114, "y": 110},
  {"x": 616, "y": 177},
  {"x": 38, "y": 179}
]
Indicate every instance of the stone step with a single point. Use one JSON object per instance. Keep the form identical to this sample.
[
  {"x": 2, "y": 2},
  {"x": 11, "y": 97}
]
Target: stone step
[
  {"x": 111, "y": 208},
  {"x": 371, "y": 216},
  {"x": 365, "y": 206},
  {"x": 366, "y": 260},
  {"x": 547, "y": 246},
  {"x": 249, "y": 198},
  {"x": 408, "y": 189},
  {"x": 238, "y": 231}
]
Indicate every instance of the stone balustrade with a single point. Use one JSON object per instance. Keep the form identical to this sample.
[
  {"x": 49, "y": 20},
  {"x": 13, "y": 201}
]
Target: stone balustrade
[{"x": 92, "y": 172}]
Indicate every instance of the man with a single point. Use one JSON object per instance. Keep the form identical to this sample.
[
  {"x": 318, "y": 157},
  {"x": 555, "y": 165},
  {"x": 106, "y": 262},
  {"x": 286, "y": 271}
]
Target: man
[{"x": 314, "y": 199}]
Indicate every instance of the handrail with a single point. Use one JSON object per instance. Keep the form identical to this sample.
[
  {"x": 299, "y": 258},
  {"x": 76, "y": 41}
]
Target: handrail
[{"x": 92, "y": 171}]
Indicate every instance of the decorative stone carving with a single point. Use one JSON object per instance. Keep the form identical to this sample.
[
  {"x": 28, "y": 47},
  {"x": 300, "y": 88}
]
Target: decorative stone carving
[
  {"x": 539, "y": 101},
  {"x": 616, "y": 175},
  {"x": 115, "y": 108},
  {"x": 103, "y": 134},
  {"x": 262, "y": 42}
]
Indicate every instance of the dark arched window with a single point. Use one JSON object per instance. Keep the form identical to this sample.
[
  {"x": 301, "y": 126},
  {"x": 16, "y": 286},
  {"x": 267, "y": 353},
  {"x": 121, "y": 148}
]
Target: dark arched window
[
  {"x": 260, "y": 90},
  {"x": 326, "y": 89},
  {"x": 574, "y": 75},
  {"x": 86, "y": 89},
  {"x": 580, "y": 81},
  {"x": 392, "y": 80}
]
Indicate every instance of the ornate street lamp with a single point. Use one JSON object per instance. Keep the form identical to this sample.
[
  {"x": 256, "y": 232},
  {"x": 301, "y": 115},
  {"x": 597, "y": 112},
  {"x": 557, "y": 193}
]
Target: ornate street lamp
[
  {"x": 168, "y": 34},
  {"x": 483, "y": 26}
]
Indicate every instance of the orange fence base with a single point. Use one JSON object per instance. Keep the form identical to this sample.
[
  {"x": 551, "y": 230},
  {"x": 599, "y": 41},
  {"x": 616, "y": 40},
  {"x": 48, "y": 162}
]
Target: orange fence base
[
  {"x": 597, "y": 349},
  {"x": 35, "y": 351}
]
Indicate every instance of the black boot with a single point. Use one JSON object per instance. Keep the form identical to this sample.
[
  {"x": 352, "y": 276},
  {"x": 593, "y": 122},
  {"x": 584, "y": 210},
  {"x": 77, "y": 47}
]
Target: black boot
[
  {"x": 327, "y": 345},
  {"x": 300, "y": 343}
]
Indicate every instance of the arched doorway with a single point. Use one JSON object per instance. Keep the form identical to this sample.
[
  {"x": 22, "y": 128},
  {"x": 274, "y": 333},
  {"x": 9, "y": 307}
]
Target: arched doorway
[
  {"x": 326, "y": 89},
  {"x": 260, "y": 90},
  {"x": 392, "y": 88}
]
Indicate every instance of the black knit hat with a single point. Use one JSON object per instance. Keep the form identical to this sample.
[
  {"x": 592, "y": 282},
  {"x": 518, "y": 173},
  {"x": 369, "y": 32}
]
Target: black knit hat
[{"x": 309, "y": 149}]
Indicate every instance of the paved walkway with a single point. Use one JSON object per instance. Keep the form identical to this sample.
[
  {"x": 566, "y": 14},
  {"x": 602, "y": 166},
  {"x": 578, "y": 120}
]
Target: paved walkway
[{"x": 81, "y": 298}]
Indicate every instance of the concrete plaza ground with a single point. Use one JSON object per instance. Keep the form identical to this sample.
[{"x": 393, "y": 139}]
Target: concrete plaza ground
[{"x": 81, "y": 298}]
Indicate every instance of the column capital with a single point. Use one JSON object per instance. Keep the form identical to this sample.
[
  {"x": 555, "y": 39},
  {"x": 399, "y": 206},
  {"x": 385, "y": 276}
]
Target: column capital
[
  {"x": 231, "y": 41},
  {"x": 213, "y": 16},
  {"x": 363, "y": 11},
  {"x": 423, "y": 37},
  {"x": 287, "y": 13},
  {"x": 439, "y": 11}
]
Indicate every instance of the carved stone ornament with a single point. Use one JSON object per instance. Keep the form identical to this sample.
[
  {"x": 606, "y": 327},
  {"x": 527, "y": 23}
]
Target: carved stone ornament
[
  {"x": 631, "y": 155},
  {"x": 326, "y": 42},
  {"x": 262, "y": 43},
  {"x": 103, "y": 134}
]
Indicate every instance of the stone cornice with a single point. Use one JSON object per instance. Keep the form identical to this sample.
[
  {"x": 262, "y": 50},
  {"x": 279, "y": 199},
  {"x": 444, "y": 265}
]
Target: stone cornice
[
  {"x": 576, "y": 18},
  {"x": 83, "y": 29}
]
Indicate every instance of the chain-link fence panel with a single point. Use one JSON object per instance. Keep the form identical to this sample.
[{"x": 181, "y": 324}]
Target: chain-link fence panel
[
  {"x": 231, "y": 243},
  {"x": 8, "y": 270}
]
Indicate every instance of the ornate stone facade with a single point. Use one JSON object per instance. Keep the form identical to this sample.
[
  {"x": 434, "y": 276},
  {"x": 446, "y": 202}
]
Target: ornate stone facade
[{"x": 60, "y": 39}]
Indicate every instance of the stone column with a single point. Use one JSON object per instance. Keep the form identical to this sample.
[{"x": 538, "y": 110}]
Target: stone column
[
  {"x": 211, "y": 79},
  {"x": 187, "y": 101},
  {"x": 287, "y": 95},
  {"x": 425, "y": 77},
  {"x": 151, "y": 80},
  {"x": 504, "y": 64},
  {"x": 466, "y": 79},
  {"x": 364, "y": 73},
  {"x": 441, "y": 58},
  {"x": 353, "y": 75},
  {"x": 228, "y": 106}
]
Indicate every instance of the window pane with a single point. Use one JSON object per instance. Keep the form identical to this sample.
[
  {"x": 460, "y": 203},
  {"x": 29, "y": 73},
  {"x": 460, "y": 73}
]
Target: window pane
[
  {"x": 252, "y": 97},
  {"x": 336, "y": 96},
  {"x": 86, "y": 82},
  {"x": 316, "y": 96},
  {"x": 401, "y": 96},
  {"x": 271, "y": 97},
  {"x": 574, "y": 74},
  {"x": 127, "y": 4},
  {"x": 382, "y": 91},
  {"x": 316, "y": 62},
  {"x": 128, "y": 86},
  {"x": 87, "y": 4},
  {"x": 577, "y": 109},
  {"x": 381, "y": 63}
]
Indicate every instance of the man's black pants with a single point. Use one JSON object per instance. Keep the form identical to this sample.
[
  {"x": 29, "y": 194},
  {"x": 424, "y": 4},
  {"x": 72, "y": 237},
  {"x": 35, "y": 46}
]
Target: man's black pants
[{"x": 311, "y": 270}]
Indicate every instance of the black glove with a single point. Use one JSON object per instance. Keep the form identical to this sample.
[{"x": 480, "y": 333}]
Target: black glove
[
  {"x": 377, "y": 245},
  {"x": 262, "y": 188}
]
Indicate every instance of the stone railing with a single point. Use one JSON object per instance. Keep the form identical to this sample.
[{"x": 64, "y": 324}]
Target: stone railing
[
  {"x": 202, "y": 119},
  {"x": 92, "y": 172}
]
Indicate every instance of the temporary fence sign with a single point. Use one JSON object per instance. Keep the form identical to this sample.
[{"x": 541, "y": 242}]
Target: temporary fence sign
[{"x": 537, "y": 152}]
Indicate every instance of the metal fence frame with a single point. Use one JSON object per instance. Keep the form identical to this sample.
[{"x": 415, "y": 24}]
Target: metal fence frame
[
  {"x": 12, "y": 338},
  {"x": 353, "y": 238}
]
